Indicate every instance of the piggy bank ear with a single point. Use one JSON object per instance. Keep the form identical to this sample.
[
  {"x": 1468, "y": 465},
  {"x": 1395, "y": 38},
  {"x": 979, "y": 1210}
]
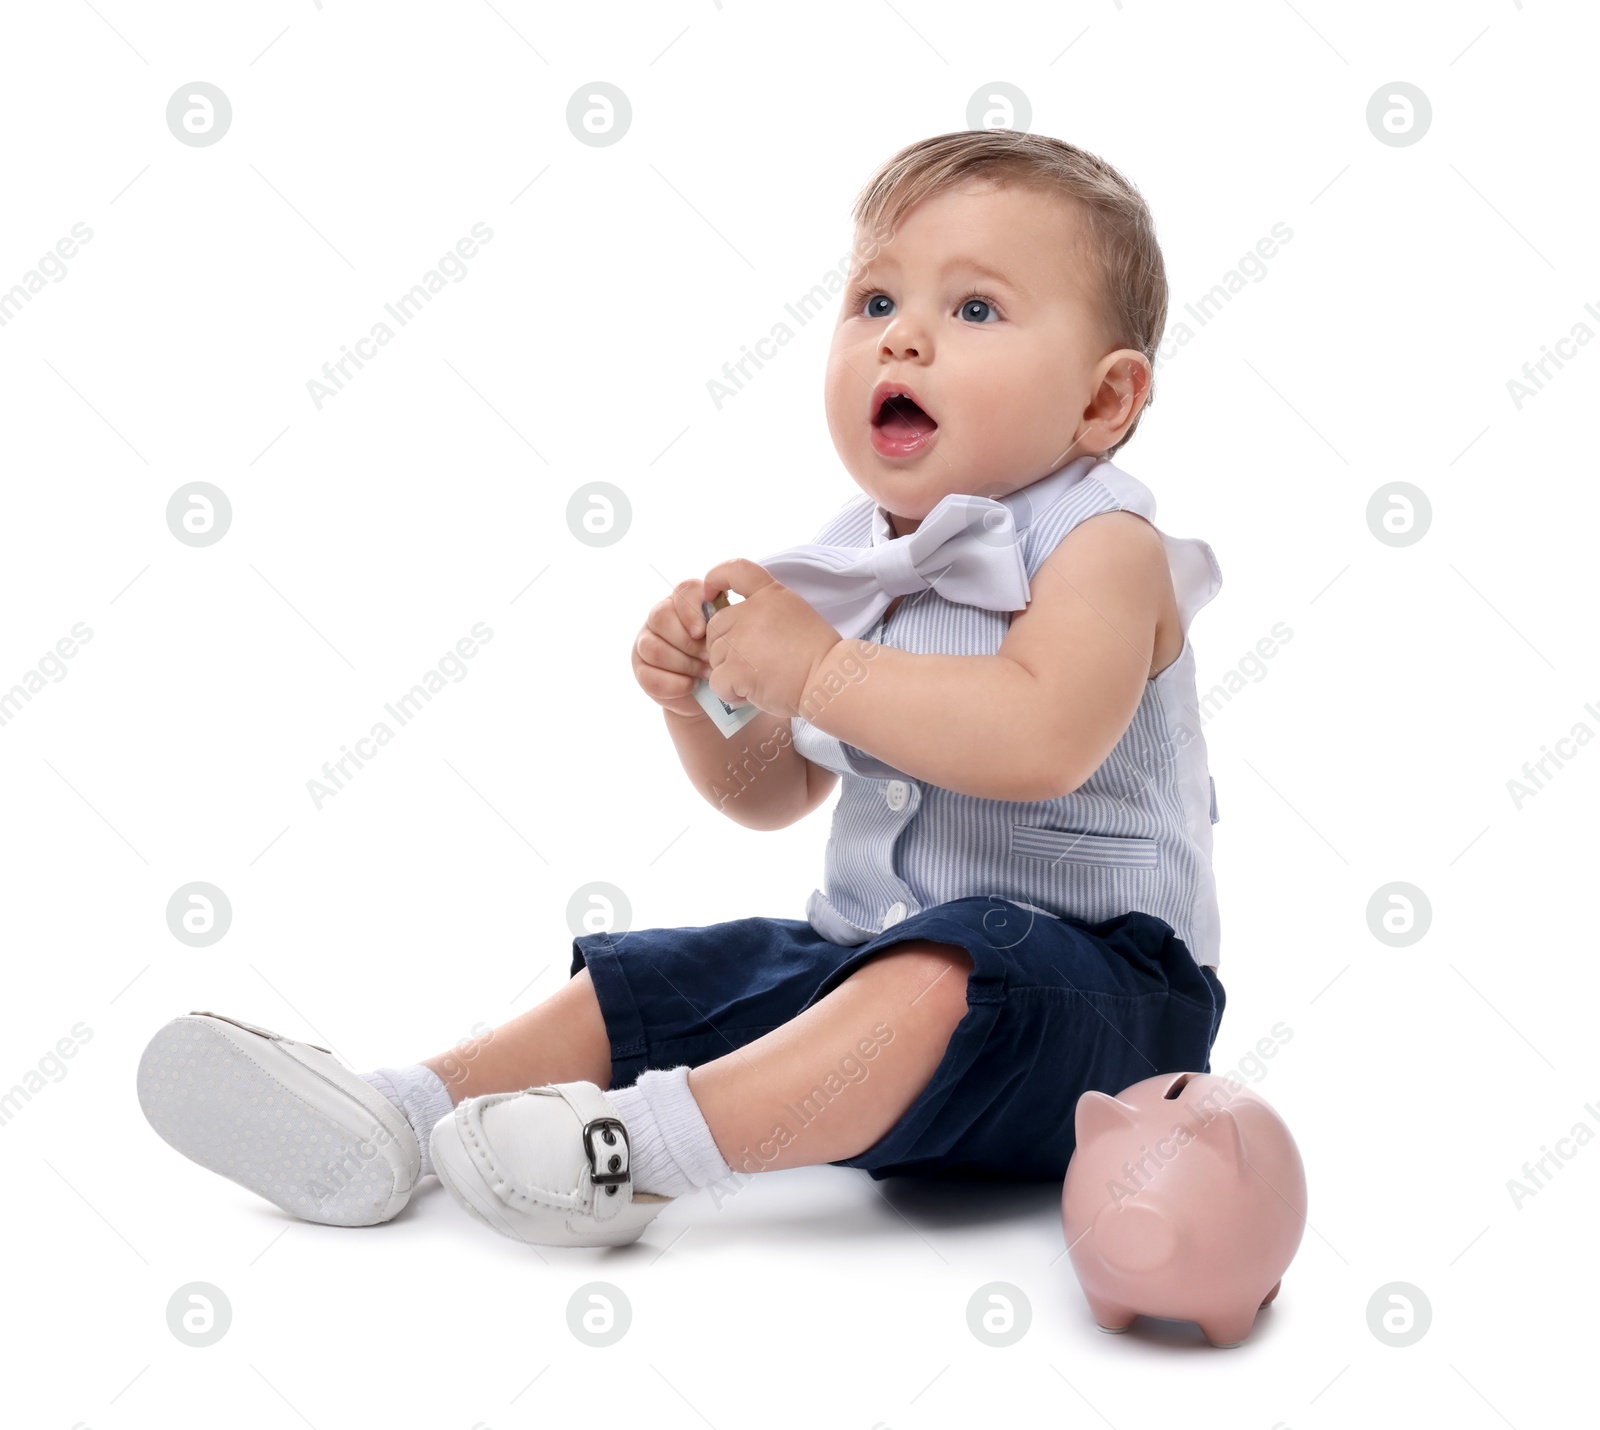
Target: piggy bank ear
[
  {"x": 1097, "y": 1113},
  {"x": 1226, "y": 1133},
  {"x": 1136, "y": 1237}
]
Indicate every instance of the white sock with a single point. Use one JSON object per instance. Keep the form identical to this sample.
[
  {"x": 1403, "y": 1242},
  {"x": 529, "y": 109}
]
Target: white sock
[
  {"x": 420, "y": 1095},
  {"x": 672, "y": 1148}
]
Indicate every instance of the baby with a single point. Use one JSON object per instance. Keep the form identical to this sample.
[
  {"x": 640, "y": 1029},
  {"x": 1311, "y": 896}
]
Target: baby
[{"x": 1018, "y": 905}]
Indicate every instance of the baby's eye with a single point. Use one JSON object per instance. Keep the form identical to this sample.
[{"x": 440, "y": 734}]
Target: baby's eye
[
  {"x": 872, "y": 310},
  {"x": 979, "y": 310}
]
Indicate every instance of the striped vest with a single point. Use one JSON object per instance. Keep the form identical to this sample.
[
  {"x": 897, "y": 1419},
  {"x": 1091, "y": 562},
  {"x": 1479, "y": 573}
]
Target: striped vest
[{"x": 1136, "y": 835}]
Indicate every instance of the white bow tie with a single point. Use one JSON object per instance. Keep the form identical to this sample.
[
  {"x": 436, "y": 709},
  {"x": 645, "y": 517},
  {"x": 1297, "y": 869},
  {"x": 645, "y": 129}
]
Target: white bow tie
[{"x": 967, "y": 548}]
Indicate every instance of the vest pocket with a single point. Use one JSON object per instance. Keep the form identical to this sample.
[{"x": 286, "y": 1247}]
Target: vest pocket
[{"x": 1068, "y": 846}]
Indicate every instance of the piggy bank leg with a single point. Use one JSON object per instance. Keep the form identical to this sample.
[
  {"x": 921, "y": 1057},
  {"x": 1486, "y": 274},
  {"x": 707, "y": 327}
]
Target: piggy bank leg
[
  {"x": 1276, "y": 1287},
  {"x": 1108, "y": 1316},
  {"x": 1225, "y": 1332}
]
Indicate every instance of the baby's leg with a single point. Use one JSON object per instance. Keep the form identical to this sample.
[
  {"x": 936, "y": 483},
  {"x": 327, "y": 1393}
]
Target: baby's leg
[
  {"x": 562, "y": 1040},
  {"x": 907, "y": 1000},
  {"x": 914, "y": 994},
  {"x": 822, "y": 1087}
]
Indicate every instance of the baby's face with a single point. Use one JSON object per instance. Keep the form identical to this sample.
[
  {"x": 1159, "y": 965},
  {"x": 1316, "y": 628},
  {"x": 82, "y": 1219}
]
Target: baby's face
[{"x": 981, "y": 305}]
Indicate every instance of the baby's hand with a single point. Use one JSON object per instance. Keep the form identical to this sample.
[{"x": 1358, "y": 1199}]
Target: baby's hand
[
  {"x": 669, "y": 654},
  {"x": 765, "y": 647}
]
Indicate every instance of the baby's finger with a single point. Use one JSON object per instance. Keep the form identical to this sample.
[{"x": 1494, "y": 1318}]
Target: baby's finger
[
  {"x": 741, "y": 576},
  {"x": 660, "y": 653},
  {"x": 663, "y": 623},
  {"x": 665, "y": 684},
  {"x": 686, "y": 601},
  {"x": 679, "y": 621},
  {"x": 671, "y": 692}
]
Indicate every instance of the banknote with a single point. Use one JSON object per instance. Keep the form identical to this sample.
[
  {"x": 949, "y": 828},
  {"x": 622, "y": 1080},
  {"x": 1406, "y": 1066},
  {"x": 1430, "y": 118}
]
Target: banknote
[{"x": 730, "y": 719}]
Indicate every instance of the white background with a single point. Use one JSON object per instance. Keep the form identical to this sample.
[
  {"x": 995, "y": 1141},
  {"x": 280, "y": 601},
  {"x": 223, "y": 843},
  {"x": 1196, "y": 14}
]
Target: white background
[{"x": 432, "y": 892}]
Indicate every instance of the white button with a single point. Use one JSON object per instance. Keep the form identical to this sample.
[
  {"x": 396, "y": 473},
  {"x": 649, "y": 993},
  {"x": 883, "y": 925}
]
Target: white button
[
  {"x": 896, "y": 793},
  {"x": 897, "y": 911}
]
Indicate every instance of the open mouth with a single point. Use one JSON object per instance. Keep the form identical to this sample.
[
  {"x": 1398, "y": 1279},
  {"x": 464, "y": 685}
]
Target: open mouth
[{"x": 899, "y": 421}]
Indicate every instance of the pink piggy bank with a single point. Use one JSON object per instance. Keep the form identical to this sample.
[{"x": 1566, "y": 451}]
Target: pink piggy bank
[{"x": 1185, "y": 1198}]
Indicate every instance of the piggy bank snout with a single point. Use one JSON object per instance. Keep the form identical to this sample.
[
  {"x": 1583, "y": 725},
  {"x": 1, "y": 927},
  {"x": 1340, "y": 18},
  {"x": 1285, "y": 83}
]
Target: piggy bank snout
[{"x": 1136, "y": 1239}]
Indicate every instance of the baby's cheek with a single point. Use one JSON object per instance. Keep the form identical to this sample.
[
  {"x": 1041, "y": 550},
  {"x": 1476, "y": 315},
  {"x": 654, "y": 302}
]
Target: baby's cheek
[{"x": 1019, "y": 425}]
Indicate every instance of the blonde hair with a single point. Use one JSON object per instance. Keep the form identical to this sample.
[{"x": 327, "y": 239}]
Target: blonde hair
[{"x": 1118, "y": 231}]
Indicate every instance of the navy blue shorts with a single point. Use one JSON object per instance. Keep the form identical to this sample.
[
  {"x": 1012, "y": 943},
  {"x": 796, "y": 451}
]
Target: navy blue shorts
[{"x": 1055, "y": 1007}]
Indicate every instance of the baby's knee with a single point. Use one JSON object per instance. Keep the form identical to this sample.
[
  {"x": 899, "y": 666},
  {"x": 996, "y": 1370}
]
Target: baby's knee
[{"x": 931, "y": 976}]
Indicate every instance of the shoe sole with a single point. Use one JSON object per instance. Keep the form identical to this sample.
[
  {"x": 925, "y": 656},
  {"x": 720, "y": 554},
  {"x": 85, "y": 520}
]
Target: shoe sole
[
  {"x": 456, "y": 1169},
  {"x": 242, "y": 1106}
]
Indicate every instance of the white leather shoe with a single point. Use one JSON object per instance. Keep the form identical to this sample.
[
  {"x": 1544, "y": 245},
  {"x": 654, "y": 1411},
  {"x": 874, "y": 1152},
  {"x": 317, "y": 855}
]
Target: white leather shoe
[
  {"x": 548, "y": 1165},
  {"x": 285, "y": 1119}
]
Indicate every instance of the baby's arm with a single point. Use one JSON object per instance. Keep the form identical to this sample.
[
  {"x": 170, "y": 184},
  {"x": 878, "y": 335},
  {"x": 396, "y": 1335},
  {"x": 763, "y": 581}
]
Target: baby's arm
[
  {"x": 757, "y": 778},
  {"x": 1035, "y": 720}
]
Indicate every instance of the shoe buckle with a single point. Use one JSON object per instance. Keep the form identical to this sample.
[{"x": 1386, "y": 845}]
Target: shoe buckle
[{"x": 606, "y": 1130}]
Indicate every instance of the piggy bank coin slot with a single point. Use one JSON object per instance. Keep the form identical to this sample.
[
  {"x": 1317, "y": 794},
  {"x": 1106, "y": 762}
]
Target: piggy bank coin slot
[{"x": 1178, "y": 1086}]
